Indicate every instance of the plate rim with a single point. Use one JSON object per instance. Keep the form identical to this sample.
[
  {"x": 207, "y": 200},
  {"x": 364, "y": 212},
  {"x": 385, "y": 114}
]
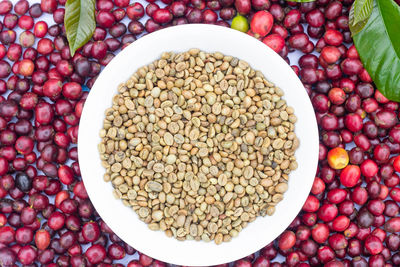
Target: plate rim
[{"x": 125, "y": 52}]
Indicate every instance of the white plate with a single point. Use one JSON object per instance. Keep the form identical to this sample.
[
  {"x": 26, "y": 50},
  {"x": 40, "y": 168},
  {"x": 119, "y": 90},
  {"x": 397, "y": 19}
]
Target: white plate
[{"x": 122, "y": 220}]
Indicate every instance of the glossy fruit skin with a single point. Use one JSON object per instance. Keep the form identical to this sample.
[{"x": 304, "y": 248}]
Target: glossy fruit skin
[
  {"x": 320, "y": 233},
  {"x": 105, "y": 19},
  {"x": 162, "y": 16},
  {"x": 44, "y": 113},
  {"x": 336, "y": 195},
  {"x": 350, "y": 175},
  {"x": 56, "y": 220},
  {"x": 91, "y": 231},
  {"x": 116, "y": 251},
  {"x": 327, "y": 212},
  {"x": 72, "y": 90},
  {"x": 27, "y": 255},
  {"x": 318, "y": 186},
  {"x": 287, "y": 240},
  {"x": 45, "y": 46},
  {"x": 315, "y": 18},
  {"x": 99, "y": 49},
  {"x": 6, "y": 7},
  {"x": 261, "y": 23},
  {"x": 7, "y": 235},
  {"x": 275, "y": 42},
  {"x": 48, "y": 6},
  {"x": 209, "y": 16},
  {"x": 292, "y": 18},
  {"x": 396, "y": 163},
  {"x": 52, "y": 88},
  {"x": 26, "y": 67},
  {"x": 392, "y": 225},
  {"x": 373, "y": 245},
  {"x": 337, "y": 96},
  {"x": 40, "y": 29},
  {"x": 65, "y": 175},
  {"x": 95, "y": 254},
  {"x": 25, "y": 22},
  {"x": 312, "y": 204},
  {"x": 359, "y": 195},
  {"x": 243, "y": 7},
  {"x": 42, "y": 239},
  {"x": 353, "y": 122},
  {"x": 240, "y": 23},
  {"x": 369, "y": 168},
  {"x": 135, "y": 11},
  {"x": 386, "y": 119},
  {"x": 338, "y": 158},
  {"x": 5, "y": 69},
  {"x": 340, "y": 223}
]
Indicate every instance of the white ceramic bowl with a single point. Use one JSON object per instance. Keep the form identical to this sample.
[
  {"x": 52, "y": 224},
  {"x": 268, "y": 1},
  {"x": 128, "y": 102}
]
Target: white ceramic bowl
[{"x": 122, "y": 220}]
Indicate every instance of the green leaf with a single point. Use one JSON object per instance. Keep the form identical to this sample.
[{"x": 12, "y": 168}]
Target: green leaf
[
  {"x": 362, "y": 10},
  {"x": 301, "y": 1},
  {"x": 378, "y": 45},
  {"x": 79, "y": 22},
  {"x": 355, "y": 27}
]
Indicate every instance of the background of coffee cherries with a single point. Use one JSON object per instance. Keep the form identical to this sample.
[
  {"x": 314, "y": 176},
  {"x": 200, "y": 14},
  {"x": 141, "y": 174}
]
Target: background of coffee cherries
[{"x": 45, "y": 214}]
